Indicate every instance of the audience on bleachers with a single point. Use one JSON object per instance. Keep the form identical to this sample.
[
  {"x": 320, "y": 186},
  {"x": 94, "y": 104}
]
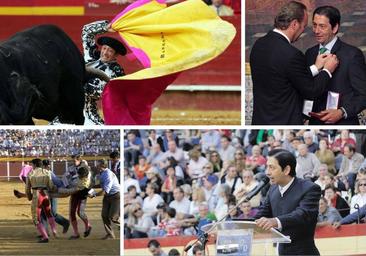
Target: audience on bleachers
[
  {"x": 200, "y": 175},
  {"x": 58, "y": 143}
]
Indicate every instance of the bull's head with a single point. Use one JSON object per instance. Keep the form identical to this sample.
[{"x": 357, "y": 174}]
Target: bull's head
[{"x": 18, "y": 97}]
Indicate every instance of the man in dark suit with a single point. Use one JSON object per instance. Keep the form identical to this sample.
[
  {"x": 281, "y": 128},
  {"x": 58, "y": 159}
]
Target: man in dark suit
[
  {"x": 348, "y": 81},
  {"x": 291, "y": 205},
  {"x": 281, "y": 79}
]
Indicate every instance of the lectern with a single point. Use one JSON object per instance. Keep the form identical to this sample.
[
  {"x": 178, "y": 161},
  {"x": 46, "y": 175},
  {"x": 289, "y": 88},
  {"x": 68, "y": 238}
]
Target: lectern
[{"x": 237, "y": 237}]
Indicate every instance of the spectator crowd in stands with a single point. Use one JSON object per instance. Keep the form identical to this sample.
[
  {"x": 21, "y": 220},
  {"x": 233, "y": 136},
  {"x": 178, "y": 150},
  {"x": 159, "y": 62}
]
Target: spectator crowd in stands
[
  {"x": 176, "y": 181},
  {"x": 61, "y": 142}
]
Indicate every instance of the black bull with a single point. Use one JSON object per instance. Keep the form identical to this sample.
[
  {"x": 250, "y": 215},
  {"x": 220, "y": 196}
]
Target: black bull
[{"x": 42, "y": 74}]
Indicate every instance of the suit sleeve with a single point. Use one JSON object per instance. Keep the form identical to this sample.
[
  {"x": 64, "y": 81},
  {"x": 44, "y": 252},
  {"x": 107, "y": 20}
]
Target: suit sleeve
[
  {"x": 357, "y": 76},
  {"x": 354, "y": 216},
  {"x": 306, "y": 212},
  {"x": 300, "y": 76}
]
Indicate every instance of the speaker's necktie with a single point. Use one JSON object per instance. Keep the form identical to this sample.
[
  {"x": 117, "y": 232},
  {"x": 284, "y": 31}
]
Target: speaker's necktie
[{"x": 322, "y": 50}]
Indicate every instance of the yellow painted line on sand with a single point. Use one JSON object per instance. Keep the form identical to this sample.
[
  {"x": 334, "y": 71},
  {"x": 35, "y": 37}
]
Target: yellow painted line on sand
[{"x": 43, "y": 10}]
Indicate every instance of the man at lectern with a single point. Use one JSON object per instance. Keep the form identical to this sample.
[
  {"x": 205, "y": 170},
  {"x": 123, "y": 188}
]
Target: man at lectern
[{"x": 291, "y": 205}]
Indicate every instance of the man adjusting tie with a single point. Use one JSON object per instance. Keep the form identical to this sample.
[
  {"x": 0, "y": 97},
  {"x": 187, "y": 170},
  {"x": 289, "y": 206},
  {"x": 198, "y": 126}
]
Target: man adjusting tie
[{"x": 345, "y": 96}]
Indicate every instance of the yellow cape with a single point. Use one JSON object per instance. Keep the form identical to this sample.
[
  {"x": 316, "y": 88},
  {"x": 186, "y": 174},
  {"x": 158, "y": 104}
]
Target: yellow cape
[{"x": 171, "y": 39}]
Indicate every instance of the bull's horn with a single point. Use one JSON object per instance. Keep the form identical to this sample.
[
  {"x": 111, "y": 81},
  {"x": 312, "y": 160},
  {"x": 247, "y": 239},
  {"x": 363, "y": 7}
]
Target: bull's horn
[{"x": 93, "y": 72}]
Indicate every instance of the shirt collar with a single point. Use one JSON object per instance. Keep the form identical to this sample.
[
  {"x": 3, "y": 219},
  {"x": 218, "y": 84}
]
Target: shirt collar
[
  {"x": 281, "y": 33},
  {"x": 329, "y": 45},
  {"x": 285, "y": 188}
]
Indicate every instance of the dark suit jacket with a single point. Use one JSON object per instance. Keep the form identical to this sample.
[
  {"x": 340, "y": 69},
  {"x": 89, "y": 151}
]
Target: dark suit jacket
[
  {"x": 281, "y": 81},
  {"x": 349, "y": 79},
  {"x": 297, "y": 211}
]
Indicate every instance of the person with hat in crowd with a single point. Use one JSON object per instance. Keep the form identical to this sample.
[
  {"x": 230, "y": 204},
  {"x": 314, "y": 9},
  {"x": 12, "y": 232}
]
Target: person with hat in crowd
[{"x": 104, "y": 59}]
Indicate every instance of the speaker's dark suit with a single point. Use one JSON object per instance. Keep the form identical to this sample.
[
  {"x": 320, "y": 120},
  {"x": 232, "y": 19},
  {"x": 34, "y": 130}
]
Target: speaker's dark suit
[
  {"x": 349, "y": 80},
  {"x": 297, "y": 211},
  {"x": 281, "y": 81}
]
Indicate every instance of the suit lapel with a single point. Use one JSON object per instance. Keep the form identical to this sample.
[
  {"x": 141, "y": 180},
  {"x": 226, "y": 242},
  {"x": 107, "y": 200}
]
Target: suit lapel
[
  {"x": 314, "y": 53},
  {"x": 336, "y": 46},
  {"x": 290, "y": 188}
]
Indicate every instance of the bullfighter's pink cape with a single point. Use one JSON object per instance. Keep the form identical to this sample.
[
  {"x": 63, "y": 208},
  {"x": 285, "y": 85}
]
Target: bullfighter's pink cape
[{"x": 166, "y": 40}]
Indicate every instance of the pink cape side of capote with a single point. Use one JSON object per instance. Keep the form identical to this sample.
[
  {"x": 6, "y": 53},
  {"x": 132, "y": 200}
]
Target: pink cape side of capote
[{"x": 129, "y": 102}]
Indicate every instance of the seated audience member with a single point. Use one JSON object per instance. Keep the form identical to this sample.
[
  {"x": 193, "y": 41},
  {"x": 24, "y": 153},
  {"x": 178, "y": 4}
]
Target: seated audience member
[
  {"x": 288, "y": 138},
  {"x": 169, "y": 224},
  {"x": 170, "y": 161},
  {"x": 231, "y": 178},
  {"x": 309, "y": 141},
  {"x": 173, "y": 151},
  {"x": 168, "y": 135},
  {"x": 227, "y": 150},
  {"x": 155, "y": 156},
  {"x": 170, "y": 183},
  {"x": 133, "y": 148},
  {"x": 187, "y": 189},
  {"x": 307, "y": 166},
  {"x": 152, "y": 176},
  {"x": 256, "y": 162},
  {"x": 130, "y": 181},
  {"x": 327, "y": 214},
  {"x": 233, "y": 212},
  {"x": 151, "y": 200},
  {"x": 209, "y": 187},
  {"x": 196, "y": 164},
  {"x": 344, "y": 139},
  {"x": 326, "y": 156},
  {"x": 140, "y": 170},
  {"x": 351, "y": 163},
  {"x": 249, "y": 183},
  {"x": 225, "y": 197},
  {"x": 239, "y": 159},
  {"x": 361, "y": 174},
  {"x": 198, "y": 197},
  {"x": 138, "y": 224},
  {"x": 161, "y": 209},
  {"x": 131, "y": 197},
  {"x": 207, "y": 170},
  {"x": 359, "y": 198},
  {"x": 204, "y": 217},
  {"x": 216, "y": 161},
  {"x": 210, "y": 138},
  {"x": 247, "y": 212},
  {"x": 323, "y": 171},
  {"x": 295, "y": 145},
  {"x": 335, "y": 200},
  {"x": 180, "y": 203},
  {"x": 152, "y": 138}
]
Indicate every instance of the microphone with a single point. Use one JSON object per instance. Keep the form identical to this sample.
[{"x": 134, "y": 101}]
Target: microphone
[
  {"x": 188, "y": 248},
  {"x": 256, "y": 190}
]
